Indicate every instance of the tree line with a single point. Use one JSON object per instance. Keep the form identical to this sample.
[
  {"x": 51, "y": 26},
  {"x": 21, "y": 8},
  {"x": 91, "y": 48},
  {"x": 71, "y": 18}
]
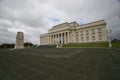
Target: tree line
[{"x": 10, "y": 46}]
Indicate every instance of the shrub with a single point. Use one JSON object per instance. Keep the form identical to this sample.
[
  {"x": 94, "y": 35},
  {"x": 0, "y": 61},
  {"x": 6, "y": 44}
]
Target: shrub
[{"x": 95, "y": 44}]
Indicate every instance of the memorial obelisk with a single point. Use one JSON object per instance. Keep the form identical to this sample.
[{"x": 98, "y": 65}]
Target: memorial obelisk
[{"x": 19, "y": 40}]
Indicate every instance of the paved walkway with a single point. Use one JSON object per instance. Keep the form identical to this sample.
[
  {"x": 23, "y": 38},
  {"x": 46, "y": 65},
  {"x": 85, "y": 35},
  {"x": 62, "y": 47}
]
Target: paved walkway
[{"x": 85, "y": 64}]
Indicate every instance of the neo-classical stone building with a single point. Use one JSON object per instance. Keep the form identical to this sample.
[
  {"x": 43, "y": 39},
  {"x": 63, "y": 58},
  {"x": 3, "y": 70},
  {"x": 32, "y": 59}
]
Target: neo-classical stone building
[{"x": 74, "y": 33}]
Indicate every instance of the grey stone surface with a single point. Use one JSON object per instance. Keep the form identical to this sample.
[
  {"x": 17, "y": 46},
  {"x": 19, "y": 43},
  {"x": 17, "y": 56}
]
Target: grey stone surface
[{"x": 19, "y": 40}]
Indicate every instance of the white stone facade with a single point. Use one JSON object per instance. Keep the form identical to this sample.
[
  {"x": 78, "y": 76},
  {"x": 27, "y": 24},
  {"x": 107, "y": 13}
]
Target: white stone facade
[
  {"x": 44, "y": 39},
  {"x": 74, "y": 33}
]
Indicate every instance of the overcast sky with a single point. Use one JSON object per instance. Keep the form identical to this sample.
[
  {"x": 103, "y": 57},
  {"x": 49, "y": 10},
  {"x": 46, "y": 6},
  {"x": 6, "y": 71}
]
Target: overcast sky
[{"x": 34, "y": 17}]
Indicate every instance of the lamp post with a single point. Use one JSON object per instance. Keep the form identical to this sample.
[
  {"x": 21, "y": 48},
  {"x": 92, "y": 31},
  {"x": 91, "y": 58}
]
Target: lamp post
[{"x": 109, "y": 33}]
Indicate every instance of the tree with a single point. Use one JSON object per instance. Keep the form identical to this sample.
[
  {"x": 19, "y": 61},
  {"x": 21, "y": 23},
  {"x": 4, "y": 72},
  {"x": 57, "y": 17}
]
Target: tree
[{"x": 28, "y": 44}]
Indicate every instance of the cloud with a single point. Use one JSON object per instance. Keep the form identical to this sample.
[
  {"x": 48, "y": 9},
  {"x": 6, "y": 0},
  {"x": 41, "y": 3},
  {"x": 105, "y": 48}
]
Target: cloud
[
  {"x": 81, "y": 21},
  {"x": 34, "y": 17},
  {"x": 54, "y": 20}
]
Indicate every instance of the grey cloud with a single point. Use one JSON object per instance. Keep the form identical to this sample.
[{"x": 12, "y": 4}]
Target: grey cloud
[
  {"x": 22, "y": 15},
  {"x": 30, "y": 16},
  {"x": 26, "y": 12}
]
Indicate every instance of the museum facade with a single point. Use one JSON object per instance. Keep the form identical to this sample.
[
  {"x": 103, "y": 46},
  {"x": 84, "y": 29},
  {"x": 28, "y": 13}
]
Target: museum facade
[{"x": 74, "y": 33}]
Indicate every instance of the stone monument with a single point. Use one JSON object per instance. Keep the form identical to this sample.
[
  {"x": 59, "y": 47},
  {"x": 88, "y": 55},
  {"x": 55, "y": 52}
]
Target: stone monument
[{"x": 19, "y": 40}]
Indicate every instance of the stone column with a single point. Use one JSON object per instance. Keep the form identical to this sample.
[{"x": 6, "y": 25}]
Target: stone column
[
  {"x": 65, "y": 37},
  {"x": 58, "y": 39},
  {"x": 50, "y": 39},
  {"x": 68, "y": 37},
  {"x": 61, "y": 38},
  {"x": 53, "y": 39}
]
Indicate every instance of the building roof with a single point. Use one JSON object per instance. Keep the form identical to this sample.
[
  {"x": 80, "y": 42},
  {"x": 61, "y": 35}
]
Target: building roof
[
  {"x": 64, "y": 24},
  {"x": 100, "y": 22},
  {"x": 60, "y": 24}
]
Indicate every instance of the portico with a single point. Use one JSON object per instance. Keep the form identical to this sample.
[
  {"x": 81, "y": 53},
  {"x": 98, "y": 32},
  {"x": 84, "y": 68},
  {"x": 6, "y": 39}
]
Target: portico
[{"x": 59, "y": 38}]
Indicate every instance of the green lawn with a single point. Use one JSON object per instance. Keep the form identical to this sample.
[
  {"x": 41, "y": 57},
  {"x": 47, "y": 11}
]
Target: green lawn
[
  {"x": 116, "y": 44},
  {"x": 60, "y": 64},
  {"x": 95, "y": 44}
]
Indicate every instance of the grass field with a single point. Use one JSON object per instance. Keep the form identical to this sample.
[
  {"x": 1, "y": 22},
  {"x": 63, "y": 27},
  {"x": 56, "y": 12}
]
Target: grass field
[
  {"x": 95, "y": 44},
  {"x": 116, "y": 44},
  {"x": 60, "y": 64}
]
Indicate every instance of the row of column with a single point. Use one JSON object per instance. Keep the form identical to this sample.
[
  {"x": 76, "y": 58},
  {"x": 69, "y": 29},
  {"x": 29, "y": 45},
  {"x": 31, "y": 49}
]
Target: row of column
[{"x": 59, "y": 38}]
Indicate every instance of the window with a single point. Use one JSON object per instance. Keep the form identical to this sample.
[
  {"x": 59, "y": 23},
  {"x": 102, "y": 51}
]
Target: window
[
  {"x": 99, "y": 30},
  {"x": 76, "y": 34},
  {"x": 82, "y": 38},
  {"x": 81, "y": 33},
  {"x": 77, "y": 40},
  {"x": 100, "y": 37},
  {"x": 87, "y": 38},
  {"x": 93, "y": 38},
  {"x": 87, "y": 32},
  {"x": 93, "y": 31}
]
